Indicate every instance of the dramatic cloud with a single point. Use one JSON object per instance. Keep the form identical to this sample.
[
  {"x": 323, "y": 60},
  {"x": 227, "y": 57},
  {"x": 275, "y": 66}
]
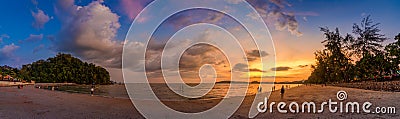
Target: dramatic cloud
[
  {"x": 254, "y": 55},
  {"x": 8, "y": 51},
  {"x": 192, "y": 59},
  {"x": 197, "y": 56},
  {"x": 89, "y": 32},
  {"x": 200, "y": 50},
  {"x": 189, "y": 63},
  {"x": 280, "y": 68},
  {"x": 275, "y": 11},
  {"x": 40, "y": 19},
  {"x": 34, "y": 38}
]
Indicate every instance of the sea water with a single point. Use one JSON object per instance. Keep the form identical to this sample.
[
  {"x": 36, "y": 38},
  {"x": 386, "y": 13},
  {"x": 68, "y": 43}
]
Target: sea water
[{"x": 164, "y": 92}]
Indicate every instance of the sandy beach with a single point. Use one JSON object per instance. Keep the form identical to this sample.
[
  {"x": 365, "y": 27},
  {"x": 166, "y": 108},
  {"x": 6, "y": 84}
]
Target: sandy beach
[
  {"x": 8, "y": 83},
  {"x": 30, "y": 102}
]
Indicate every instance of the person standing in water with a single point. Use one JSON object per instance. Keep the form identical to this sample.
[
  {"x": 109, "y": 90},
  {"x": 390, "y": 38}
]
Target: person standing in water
[{"x": 282, "y": 91}]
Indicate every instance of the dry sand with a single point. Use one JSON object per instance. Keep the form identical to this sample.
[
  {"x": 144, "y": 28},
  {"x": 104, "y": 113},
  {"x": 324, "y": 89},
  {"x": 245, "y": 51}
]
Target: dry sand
[{"x": 38, "y": 103}]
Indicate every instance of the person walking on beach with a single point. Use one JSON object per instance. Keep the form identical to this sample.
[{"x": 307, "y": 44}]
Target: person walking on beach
[
  {"x": 282, "y": 91},
  {"x": 92, "y": 90}
]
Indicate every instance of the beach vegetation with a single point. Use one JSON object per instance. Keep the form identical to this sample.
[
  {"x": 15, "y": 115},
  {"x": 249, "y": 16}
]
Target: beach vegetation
[
  {"x": 64, "y": 68},
  {"x": 358, "y": 56}
]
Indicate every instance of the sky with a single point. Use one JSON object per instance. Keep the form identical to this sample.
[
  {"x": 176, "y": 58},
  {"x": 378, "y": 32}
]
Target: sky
[{"x": 95, "y": 32}]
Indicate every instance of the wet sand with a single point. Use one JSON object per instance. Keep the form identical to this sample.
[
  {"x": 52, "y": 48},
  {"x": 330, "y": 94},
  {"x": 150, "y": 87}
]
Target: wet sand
[{"x": 30, "y": 102}]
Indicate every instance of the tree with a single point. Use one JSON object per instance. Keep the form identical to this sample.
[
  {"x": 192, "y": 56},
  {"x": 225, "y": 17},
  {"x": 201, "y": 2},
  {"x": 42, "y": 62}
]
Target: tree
[
  {"x": 368, "y": 39},
  {"x": 393, "y": 53},
  {"x": 65, "y": 68},
  {"x": 7, "y": 70},
  {"x": 367, "y": 46},
  {"x": 333, "y": 65},
  {"x": 338, "y": 61},
  {"x": 321, "y": 69}
]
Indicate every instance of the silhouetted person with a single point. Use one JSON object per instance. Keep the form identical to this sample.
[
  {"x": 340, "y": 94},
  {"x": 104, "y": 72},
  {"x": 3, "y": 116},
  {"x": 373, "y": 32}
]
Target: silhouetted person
[
  {"x": 92, "y": 90},
  {"x": 282, "y": 91}
]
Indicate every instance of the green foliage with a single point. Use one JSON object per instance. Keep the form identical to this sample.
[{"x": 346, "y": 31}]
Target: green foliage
[
  {"x": 64, "y": 68},
  {"x": 7, "y": 70},
  {"x": 336, "y": 62},
  {"x": 372, "y": 66},
  {"x": 393, "y": 53},
  {"x": 333, "y": 65}
]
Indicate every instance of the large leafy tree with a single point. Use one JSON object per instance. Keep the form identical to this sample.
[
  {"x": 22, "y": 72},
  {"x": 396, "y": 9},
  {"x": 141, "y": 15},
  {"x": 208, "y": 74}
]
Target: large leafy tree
[
  {"x": 333, "y": 65},
  {"x": 372, "y": 66},
  {"x": 339, "y": 62},
  {"x": 393, "y": 53},
  {"x": 321, "y": 69},
  {"x": 367, "y": 47},
  {"x": 64, "y": 68}
]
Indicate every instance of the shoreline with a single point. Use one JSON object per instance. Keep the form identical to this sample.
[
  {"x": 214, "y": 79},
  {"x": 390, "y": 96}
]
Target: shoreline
[
  {"x": 38, "y": 103},
  {"x": 104, "y": 90},
  {"x": 10, "y": 83}
]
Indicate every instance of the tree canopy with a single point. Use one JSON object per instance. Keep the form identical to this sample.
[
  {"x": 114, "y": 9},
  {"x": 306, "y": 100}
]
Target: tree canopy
[
  {"x": 393, "y": 52},
  {"x": 360, "y": 56},
  {"x": 332, "y": 62},
  {"x": 64, "y": 68},
  {"x": 7, "y": 70}
]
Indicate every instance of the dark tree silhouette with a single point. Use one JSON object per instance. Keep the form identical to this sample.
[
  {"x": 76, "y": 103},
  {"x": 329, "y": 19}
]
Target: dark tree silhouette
[
  {"x": 367, "y": 38},
  {"x": 393, "y": 53},
  {"x": 335, "y": 63}
]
